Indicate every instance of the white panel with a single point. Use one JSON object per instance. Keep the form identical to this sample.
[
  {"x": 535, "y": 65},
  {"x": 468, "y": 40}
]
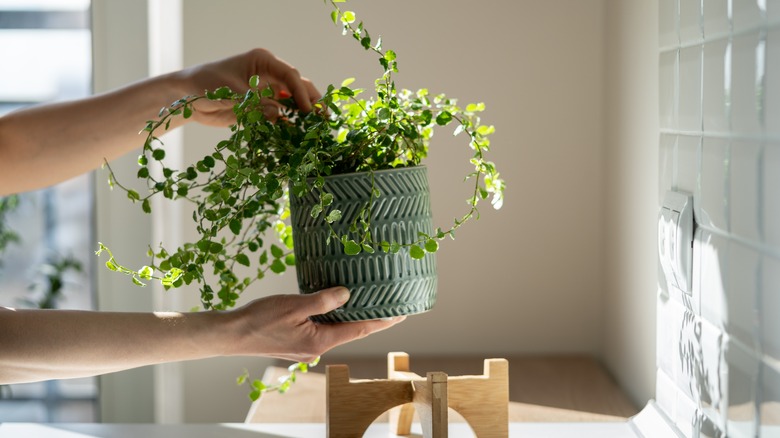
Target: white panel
[
  {"x": 713, "y": 193},
  {"x": 745, "y": 165}
]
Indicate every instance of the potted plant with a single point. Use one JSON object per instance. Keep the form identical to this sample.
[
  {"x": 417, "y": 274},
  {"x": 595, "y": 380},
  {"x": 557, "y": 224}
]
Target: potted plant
[{"x": 348, "y": 174}]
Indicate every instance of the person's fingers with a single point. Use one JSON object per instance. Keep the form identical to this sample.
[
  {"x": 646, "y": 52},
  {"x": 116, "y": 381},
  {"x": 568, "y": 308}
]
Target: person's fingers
[
  {"x": 323, "y": 301},
  {"x": 292, "y": 79},
  {"x": 340, "y": 333}
]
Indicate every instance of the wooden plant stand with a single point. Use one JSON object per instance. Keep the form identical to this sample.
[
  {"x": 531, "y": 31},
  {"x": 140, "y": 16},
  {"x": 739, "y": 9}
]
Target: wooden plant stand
[{"x": 483, "y": 401}]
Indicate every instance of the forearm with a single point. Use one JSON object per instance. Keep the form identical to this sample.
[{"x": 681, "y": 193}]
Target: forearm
[
  {"x": 47, "y": 344},
  {"x": 59, "y": 141}
]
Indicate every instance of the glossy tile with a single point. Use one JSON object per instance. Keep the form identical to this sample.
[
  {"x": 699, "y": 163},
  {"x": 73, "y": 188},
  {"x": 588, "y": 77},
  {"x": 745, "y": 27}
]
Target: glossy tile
[
  {"x": 667, "y": 77},
  {"x": 690, "y": 97},
  {"x": 772, "y": 84},
  {"x": 716, "y": 19},
  {"x": 741, "y": 291},
  {"x": 690, "y": 22},
  {"x": 743, "y": 370},
  {"x": 747, "y": 14},
  {"x": 714, "y": 187},
  {"x": 744, "y": 183},
  {"x": 769, "y": 307},
  {"x": 714, "y": 256},
  {"x": 744, "y": 86},
  {"x": 667, "y": 23},
  {"x": 771, "y": 194},
  {"x": 715, "y": 86},
  {"x": 770, "y": 400}
]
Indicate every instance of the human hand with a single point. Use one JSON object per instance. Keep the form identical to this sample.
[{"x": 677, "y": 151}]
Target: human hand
[
  {"x": 234, "y": 72},
  {"x": 279, "y": 326}
]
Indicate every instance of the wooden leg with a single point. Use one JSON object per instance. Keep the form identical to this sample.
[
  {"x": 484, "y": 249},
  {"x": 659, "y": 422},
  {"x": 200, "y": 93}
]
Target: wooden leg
[
  {"x": 400, "y": 417},
  {"x": 430, "y": 401}
]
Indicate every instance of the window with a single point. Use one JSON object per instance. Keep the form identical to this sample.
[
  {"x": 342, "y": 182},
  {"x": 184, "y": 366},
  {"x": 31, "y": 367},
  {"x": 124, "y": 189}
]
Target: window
[{"x": 45, "y": 56}]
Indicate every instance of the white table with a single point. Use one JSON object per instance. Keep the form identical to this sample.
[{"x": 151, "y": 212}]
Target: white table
[
  {"x": 650, "y": 423},
  {"x": 297, "y": 430}
]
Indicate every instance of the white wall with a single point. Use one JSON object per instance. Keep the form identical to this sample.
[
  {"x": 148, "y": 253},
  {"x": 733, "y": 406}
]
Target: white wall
[
  {"x": 631, "y": 195},
  {"x": 527, "y": 279},
  {"x": 127, "y": 396}
]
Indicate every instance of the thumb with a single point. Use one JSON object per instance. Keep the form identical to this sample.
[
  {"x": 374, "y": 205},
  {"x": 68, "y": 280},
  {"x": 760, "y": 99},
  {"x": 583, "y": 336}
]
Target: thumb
[{"x": 324, "y": 301}]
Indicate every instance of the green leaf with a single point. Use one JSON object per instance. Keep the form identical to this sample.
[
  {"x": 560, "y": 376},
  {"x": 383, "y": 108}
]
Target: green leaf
[
  {"x": 276, "y": 251},
  {"x": 416, "y": 252},
  {"x": 111, "y": 265},
  {"x": 254, "y": 81},
  {"x": 316, "y": 210},
  {"x": 242, "y": 259},
  {"x": 368, "y": 248},
  {"x": 390, "y": 55},
  {"x": 158, "y": 154},
  {"x": 395, "y": 247},
  {"x": 333, "y": 216},
  {"x": 431, "y": 245},
  {"x": 290, "y": 260},
  {"x": 132, "y": 194},
  {"x": 146, "y": 206},
  {"x": 348, "y": 17},
  {"x": 278, "y": 266},
  {"x": 352, "y": 248},
  {"x": 235, "y": 226},
  {"x": 146, "y": 272},
  {"x": 327, "y": 199},
  {"x": 215, "y": 248},
  {"x": 347, "y": 82},
  {"x": 138, "y": 282},
  {"x": 443, "y": 118},
  {"x": 334, "y": 16}
]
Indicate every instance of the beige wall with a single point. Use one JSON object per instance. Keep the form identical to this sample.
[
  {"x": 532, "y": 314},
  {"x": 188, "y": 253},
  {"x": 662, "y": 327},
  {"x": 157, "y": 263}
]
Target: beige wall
[
  {"x": 526, "y": 279},
  {"x": 631, "y": 191}
]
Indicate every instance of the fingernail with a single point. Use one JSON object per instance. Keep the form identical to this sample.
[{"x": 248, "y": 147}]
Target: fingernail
[
  {"x": 395, "y": 318},
  {"x": 284, "y": 94},
  {"x": 343, "y": 295}
]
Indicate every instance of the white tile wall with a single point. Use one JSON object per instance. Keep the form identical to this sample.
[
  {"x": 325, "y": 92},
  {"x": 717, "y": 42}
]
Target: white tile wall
[{"x": 719, "y": 346}]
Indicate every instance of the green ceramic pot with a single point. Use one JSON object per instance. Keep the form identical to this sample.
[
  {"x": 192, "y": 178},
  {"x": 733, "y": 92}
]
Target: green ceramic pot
[{"x": 382, "y": 285}]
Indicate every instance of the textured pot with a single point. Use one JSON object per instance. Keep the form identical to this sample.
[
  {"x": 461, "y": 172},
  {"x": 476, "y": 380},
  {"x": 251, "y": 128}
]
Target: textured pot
[{"x": 382, "y": 285}]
